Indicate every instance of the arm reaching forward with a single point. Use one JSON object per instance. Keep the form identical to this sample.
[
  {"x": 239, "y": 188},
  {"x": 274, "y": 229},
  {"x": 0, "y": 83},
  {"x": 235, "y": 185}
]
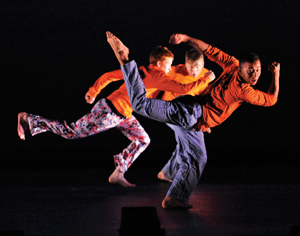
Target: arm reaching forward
[
  {"x": 183, "y": 38},
  {"x": 101, "y": 83}
]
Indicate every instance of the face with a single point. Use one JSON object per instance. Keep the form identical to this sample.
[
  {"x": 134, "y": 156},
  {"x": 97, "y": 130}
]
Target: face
[
  {"x": 250, "y": 72},
  {"x": 194, "y": 68},
  {"x": 166, "y": 65}
]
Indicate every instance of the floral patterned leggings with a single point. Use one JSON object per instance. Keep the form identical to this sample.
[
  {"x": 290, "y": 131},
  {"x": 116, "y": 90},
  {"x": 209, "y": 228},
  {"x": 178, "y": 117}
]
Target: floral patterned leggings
[{"x": 101, "y": 118}]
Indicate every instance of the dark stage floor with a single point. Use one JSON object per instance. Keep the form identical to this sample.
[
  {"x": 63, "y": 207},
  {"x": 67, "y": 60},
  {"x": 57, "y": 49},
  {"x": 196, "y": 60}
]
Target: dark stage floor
[{"x": 227, "y": 201}]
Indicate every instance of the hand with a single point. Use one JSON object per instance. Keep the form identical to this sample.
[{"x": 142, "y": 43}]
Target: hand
[
  {"x": 210, "y": 74},
  {"x": 178, "y": 38},
  {"x": 274, "y": 68},
  {"x": 208, "y": 130},
  {"x": 89, "y": 99},
  {"x": 197, "y": 127}
]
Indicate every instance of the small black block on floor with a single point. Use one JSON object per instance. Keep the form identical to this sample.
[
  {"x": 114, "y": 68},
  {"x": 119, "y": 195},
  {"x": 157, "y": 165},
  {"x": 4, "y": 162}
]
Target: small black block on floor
[
  {"x": 140, "y": 221},
  {"x": 295, "y": 230}
]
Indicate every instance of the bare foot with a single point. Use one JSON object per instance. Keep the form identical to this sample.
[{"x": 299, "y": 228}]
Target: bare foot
[
  {"x": 162, "y": 176},
  {"x": 117, "y": 177},
  {"x": 120, "y": 50},
  {"x": 22, "y": 124},
  {"x": 170, "y": 202}
]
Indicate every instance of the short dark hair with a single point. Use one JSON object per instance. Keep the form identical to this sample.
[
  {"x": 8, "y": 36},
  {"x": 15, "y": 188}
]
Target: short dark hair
[
  {"x": 249, "y": 57},
  {"x": 193, "y": 55}
]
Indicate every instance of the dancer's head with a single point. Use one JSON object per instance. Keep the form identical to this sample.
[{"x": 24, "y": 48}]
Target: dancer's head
[
  {"x": 162, "y": 57},
  {"x": 250, "y": 68},
  {"x": 194, "y": 62}
]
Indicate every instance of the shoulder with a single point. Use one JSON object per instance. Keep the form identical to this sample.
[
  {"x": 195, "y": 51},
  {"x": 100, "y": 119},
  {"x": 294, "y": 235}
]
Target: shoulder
[
  {"x": 242, "y": 84},
  {"x": 246, "y": 87},
  {"x": 217, "y": 55},
  {"x": 155, "y": 74},
  {"x": 237, "y": 83},
  {"x": 179, "y": 67}
]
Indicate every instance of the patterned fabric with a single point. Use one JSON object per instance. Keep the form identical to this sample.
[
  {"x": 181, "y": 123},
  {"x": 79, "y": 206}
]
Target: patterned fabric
[{"x": 101, "y": 118}]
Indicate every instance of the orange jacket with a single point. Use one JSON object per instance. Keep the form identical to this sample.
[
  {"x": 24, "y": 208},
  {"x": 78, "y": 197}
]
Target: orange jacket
[
  {"x": 180, "y": 74},
  {"x": 155, "y": 81},
  {"x": 228, "y": 92}
]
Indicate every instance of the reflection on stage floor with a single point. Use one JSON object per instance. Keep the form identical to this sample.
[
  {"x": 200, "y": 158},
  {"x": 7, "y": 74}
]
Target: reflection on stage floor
[{"x": 82, "y": 202}]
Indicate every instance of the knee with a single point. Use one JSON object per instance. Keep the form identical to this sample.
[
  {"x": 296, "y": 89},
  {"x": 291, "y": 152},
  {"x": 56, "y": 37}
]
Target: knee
[
  {"x": 185, "y": 166},
  {"x": 202, "y": 160},
  {"x": 138, "y": 104},
  {"x": 143, "y": 140},
  {"x": 201, "y": 164},
  {"x": 146, "y": 140}
]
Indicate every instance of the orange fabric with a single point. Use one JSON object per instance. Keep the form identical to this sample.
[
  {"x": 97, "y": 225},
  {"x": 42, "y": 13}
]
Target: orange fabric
[
  {"x": 227, "y": 92},
  {"x": 155, "y": 81},
  {"x": 104, "y": 80},
  {"x": 180, "y": 74}
]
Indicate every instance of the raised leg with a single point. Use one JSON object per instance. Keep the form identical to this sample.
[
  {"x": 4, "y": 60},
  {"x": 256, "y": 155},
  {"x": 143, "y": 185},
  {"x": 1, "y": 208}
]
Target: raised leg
[
  {"x": 120, "y": 50},
  {"x": 183, "y": 112}
]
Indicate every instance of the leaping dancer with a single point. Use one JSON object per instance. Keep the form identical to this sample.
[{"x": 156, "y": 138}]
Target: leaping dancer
[{"x": 211, "y": 108}]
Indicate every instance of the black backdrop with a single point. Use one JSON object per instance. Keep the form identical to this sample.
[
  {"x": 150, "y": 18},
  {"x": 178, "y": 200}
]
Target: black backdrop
[{"x": 53, "y": 51}]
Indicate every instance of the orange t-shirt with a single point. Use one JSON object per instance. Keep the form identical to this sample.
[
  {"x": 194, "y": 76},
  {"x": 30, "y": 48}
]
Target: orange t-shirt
[
  {"x": 228, "y": 92},
  {"x": 155, "y": 81},
  {"x": 180, "y": 74}
]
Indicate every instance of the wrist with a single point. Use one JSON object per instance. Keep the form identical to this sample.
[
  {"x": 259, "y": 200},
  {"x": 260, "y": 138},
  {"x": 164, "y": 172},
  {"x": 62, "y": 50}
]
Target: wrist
[
  {"x": 188, "y": 39},
  {"x": 276, "y": 76}
]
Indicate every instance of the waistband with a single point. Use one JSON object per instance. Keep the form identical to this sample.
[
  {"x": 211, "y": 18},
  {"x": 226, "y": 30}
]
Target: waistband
[{"x": 112, "y": 107}]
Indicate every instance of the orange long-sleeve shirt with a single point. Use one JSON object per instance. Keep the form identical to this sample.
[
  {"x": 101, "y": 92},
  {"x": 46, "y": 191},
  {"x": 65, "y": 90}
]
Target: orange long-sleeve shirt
[
  {"x": 180, "y": 74},
  {"x": 155, "y": 81},
  {"x": 228, "y": 92}
]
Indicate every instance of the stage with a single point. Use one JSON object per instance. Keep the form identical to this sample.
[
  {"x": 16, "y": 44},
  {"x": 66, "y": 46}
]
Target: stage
[
  {"x": 54, "y": 51},
  {"x": 227, "y": 201}
]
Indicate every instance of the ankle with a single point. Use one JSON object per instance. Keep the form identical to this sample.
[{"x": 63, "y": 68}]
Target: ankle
[{"x": 24, "y": 117}]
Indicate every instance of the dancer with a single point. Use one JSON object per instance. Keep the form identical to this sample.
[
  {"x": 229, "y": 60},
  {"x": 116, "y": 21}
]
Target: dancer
[
  {"x": 212, "y": 108},
  {"x": 188, "y": 142},
  {"x": 115, "y": 112},
  {"x": 193, "y": 70}
]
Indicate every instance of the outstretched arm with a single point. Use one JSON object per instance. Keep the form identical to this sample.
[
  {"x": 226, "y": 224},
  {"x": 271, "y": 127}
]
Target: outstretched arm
[
  {"x": 89, "y": 99},
  {"x": 101, "y": 83},
  {"x": 183, "y": 38}
]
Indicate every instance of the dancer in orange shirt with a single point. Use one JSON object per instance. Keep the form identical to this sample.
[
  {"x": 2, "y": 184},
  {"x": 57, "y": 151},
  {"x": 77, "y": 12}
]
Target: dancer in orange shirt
[
  {"x": 234, "y": 85},
  {"x": 115, "y": 112},
  {"x": 189, "y": 78},
  {"x": 220, "y": 99}
]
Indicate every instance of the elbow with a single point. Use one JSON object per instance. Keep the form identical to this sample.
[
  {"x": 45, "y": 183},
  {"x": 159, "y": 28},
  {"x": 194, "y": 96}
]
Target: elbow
[
  {"x": 272, "y": 102},
  {"x": 136, "y": 107}
]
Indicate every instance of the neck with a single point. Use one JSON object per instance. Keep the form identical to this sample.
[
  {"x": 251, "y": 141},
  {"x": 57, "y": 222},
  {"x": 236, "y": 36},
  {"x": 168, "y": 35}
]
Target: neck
[{"x": 241, "y": 77}]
